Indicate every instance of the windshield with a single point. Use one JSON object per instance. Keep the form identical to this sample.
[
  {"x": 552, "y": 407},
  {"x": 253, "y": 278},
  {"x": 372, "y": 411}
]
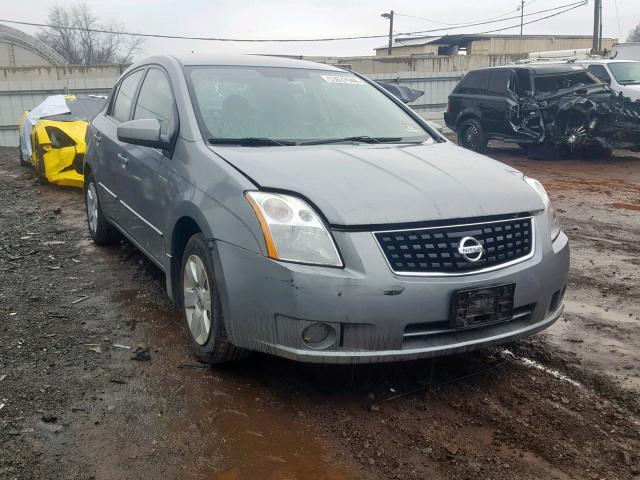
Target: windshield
[
  {"x": 626, "y": 73},
  {"x": 552, "y": 82},
  {"x": 296, "y": 106}
]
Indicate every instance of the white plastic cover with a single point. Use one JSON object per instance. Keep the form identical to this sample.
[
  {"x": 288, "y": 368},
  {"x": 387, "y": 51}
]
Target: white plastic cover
[{"x": 53, "y": 105}]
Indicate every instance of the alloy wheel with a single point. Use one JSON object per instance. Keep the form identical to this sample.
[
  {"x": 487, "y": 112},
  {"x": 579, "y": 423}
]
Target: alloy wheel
[
  {"x": 92, "y": 207},
  {"x": 197, "y": 299},
  {"x": 472, "y": 137}
]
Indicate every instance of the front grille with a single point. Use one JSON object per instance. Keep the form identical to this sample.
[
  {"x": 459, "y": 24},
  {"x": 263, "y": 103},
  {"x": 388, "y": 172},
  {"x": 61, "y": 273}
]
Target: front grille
[{"x": 434, "y": 250}]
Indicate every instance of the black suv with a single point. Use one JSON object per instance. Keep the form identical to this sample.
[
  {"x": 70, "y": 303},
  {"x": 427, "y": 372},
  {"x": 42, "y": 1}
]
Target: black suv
[{"x": 548, "y": 109}]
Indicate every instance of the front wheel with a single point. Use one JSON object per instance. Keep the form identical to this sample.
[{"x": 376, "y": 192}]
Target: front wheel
[
  {"x": 102, "y": 232},
  {"x": 201, "y": 307},
  {"x": 471, "y": 135},
  {"x": 41, "y": 169},
  {"x": 548, "y": 151}
]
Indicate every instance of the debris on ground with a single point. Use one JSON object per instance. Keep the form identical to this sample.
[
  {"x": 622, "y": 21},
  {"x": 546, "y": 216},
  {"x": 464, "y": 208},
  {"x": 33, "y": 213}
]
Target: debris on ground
[
  {"x": 194, "y": 366},
  {"x": 94, "y": 348},
  {"x": 141, "y": 354}
]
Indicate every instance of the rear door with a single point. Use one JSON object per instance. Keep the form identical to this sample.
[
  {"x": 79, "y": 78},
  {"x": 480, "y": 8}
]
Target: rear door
[
  {"x": 468, "y": 96},
  {"x": 147, "y": 192},
  {"x": 493, "y": 105},
  {"x": 111, "y": 177}
]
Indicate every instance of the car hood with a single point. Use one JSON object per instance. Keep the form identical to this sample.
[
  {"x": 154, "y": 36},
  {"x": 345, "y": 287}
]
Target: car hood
[
  {"x": 631, "y": 91},
  {"x": 386, "y": 184}
]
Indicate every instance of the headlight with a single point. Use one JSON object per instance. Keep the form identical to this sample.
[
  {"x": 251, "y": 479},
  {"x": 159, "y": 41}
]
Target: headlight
[
  {"x": 292, "y": 230},
  {"x": 549, "y": 210}
]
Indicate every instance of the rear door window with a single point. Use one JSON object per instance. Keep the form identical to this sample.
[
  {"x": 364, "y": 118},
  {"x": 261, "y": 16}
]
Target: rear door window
[
  {"x": 156, "y": 100},
  {"x": 475, "y": 82},
  {"x": 121, "y": 109}
]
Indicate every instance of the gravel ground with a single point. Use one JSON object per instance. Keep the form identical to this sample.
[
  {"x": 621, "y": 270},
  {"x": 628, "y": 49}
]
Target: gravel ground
[{"x": 75, "y": 405}]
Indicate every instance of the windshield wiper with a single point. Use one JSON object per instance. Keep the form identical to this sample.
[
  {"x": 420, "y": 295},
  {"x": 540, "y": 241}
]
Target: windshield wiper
[
  {"x": 359, "y": 138},
  {"x": 251, "y": 142}
]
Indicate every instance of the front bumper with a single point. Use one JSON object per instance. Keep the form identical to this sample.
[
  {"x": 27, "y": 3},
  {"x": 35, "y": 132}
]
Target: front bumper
[
  {"x": 378, "y": 316},
  {"x": 59, "y": 166}
]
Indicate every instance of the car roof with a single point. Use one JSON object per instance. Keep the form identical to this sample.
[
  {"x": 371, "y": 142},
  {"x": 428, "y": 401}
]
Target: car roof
[
  {"x": 188, "y": 60},
  {"x": 538, "y": 68},
  {"x": 605, "y": 60},
  {"x": 551, "y": 68}
]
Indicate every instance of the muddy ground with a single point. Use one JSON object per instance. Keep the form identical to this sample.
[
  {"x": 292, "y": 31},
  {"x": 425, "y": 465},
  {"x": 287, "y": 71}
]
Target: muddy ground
[{"x": 74, "y": 405}]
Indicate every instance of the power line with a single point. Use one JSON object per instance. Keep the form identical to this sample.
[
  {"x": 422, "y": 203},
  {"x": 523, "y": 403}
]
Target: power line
[
  {"x": 454, "y": 24},
  {"x": 291, "y": 40},
  {"x": 573, "y": 4},
  {"x": 618, "y": 17},
  {"x": 532, "y": 21},
  {"x": 465, "y": 23}
]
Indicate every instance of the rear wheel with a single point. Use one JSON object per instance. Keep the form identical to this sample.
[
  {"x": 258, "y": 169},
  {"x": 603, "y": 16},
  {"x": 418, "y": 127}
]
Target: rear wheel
[
  {"x": 102, "y": 232},
  {"x": 201, "y": 307},
  {"x": 471, "y": 135}
]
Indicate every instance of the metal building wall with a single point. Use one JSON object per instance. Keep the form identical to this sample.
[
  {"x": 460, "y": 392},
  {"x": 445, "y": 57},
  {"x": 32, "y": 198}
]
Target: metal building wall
[{"x": 23, "y": 88}]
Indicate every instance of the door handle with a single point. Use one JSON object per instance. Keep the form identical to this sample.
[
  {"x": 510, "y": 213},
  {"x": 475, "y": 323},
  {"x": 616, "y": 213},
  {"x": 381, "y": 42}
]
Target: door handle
[
  {"x": 123, "y": 160},
  {"x": 97, "y": 138}
]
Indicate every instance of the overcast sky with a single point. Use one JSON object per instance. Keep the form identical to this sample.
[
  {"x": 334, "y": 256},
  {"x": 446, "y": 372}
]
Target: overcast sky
[{"x": 317, "y": 18}]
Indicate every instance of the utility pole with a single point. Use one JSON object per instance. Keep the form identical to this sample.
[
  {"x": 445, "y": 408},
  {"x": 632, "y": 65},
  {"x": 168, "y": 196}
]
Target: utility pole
[
  {"x": 597, "y": 26},
  {"x": 389, "y": 16},
  {"x": 521, "y": 16}
]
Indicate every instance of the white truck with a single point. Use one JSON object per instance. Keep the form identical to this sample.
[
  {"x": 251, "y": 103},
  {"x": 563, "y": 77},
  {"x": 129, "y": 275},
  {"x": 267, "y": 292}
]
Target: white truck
[
  {"x": 621, "y": 75},
  {"x": 626, "y": 51}
]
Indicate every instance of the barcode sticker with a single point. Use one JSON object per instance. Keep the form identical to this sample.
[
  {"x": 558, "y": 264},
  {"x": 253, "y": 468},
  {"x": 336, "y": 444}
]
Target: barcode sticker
[{"x": 343, "y": 79}]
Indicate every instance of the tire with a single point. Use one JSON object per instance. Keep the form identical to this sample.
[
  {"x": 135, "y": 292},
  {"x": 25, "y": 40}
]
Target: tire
[
  {"x": 40, "y": 167},
  {"x": 547, "y": 151},
  {"x": 472, "y": 136},
  {"x": 101, "y": 231},
  {"x": 200, "y": 305},
  {"x": 593, "y": 152},
  {"x": 23, "y": 162}
]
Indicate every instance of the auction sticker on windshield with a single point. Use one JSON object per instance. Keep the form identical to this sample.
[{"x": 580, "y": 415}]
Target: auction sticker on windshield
[{"x": 348, "y": 80}]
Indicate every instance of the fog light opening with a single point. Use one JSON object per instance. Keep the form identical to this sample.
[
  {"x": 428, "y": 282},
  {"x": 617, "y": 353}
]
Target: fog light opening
[{"x": 319, "y": 335}]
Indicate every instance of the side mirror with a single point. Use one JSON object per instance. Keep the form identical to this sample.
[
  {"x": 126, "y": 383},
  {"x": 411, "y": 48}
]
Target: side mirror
[{"x": 144, "y": 132}]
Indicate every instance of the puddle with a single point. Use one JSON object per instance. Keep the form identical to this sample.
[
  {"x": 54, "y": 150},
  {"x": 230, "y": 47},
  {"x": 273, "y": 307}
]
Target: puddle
[
  {"x": 603, "y": 340},
  {"x": 584, "y": 309},
  {"x": 246, "y": 430},
  {"x": 625, "y": 206}
]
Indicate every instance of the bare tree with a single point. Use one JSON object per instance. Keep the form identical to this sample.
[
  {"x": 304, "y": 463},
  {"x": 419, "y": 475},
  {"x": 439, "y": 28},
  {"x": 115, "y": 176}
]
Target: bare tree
[
  {"x": 73, "y": 35},
  {"x": 634, "y": 35}
]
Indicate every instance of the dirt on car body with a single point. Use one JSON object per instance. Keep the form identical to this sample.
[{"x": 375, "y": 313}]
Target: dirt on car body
[{"x": 563, "y": 405}]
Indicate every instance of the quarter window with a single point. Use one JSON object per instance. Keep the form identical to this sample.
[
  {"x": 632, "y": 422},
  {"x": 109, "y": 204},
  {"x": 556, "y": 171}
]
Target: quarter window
[
  {"x": 498, "y": 80},
  {"x": 122, "y": 105},
  {"x": 475, "y": 82},
  {"x": 600, "y": 72},
  {"x": 156, "y": 100}
]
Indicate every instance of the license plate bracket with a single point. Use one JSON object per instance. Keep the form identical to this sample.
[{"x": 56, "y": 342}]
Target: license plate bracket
[{"x": 473, "y": 307}]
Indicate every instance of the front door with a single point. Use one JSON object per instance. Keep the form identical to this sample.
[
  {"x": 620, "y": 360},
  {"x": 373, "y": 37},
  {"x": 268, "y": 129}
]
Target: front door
[{"x": 146, "y": 196}]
